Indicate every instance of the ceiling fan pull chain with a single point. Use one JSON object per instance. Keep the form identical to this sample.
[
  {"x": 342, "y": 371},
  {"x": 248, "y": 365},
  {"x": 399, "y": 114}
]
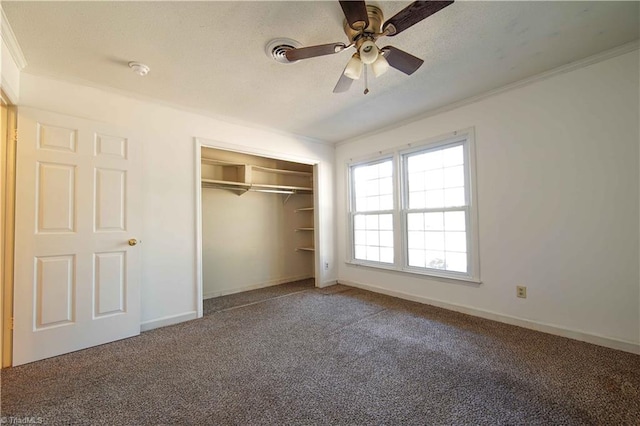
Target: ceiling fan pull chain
[{"x": 366, "y": 81}]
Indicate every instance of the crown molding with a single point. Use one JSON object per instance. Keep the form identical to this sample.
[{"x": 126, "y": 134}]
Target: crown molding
[
  {"x": 9, "y": 38},
  {"x": 572, "y": 66}
]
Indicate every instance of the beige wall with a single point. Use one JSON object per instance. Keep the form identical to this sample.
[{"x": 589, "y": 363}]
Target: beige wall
[
  {"x": 558, "y": 184},
  {"x": 169, "y": 288}
]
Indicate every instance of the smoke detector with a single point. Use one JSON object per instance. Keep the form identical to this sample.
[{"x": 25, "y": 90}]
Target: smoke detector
[
  {"x": 277, "y": 48},
  {"x": 139, "y": 68}
]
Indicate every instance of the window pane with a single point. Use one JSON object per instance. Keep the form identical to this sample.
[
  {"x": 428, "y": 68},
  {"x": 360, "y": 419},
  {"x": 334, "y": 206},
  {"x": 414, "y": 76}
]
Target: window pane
[
  {"x": 386, "y": 186},
  {"x": 372, "y": 187},
  {"x": 416, "y": 182},
  {"x": 385, "y": 169},
  {"x": 372, "y": 221},
  {"x": 386, "y": 202},
  {"x": 386, "y": 254},
  {"x": 434, "y": 241},
  {"x": 416, "y": 258},
  {"x": 373, "y": 203},
  {"x": 455, "y": 221},
  {"x": 434, "y": 179},
  {"x": 427, "y": 161},
  {"x": 434, "y": 199},
  {"x": 373, "y": 253},
  {"x": 457, "y": 262},
  {"x": 454, "y": 197},
  {"x": 386, "y": 238},
  {"x": 433, "y": 221},
  {"x": 416, "y": 239},
  {"x": 374, "y": 240},
  {"x": 416, "y": 200},
  {"x": 369, "y": 183},
  {"x": 434, "y": 259},
  {"x": 455, "y": 241},
  {"x": 453, "y": 156},
  {"x": 386, "y": 221},
  {"x": 453, "y": 176},
  {"x": 415, "y": 221}
]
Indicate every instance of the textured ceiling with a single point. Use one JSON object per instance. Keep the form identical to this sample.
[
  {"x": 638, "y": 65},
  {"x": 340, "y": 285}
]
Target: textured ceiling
[{"x": 210, "y": 56}]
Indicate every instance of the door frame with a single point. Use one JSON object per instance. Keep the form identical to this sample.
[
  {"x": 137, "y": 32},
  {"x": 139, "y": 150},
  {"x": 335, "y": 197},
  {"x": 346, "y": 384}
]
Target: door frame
[
  {"x": 241, "y": 149},
  {"x": 9, "y": 142}
]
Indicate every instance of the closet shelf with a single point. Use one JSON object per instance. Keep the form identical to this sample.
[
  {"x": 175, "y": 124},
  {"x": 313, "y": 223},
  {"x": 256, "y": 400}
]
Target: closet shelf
[
  {"x": 304, "y": 209},
  {"x": 304, "y": 229},
  {"x": 255, "y": 187},
  {"x": 305, "y": 249},
  {"x": 281, "y": 171}
]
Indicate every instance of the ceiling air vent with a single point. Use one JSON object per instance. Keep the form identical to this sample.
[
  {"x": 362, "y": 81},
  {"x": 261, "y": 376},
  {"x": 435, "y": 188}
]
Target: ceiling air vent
[{"x": 276, "y": 49}]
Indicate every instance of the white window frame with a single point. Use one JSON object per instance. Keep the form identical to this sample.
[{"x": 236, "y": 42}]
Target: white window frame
[
  {"x": 399, "y": 156},
  {"x": 352, "y": 210}
]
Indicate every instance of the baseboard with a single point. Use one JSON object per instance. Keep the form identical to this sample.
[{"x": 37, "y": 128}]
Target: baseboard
[
  {"x": 168, "y": 320},
  {"x": 608, "y": 342},
  {"x": 271, "y": 283},
  {"x": 328, "y": 283}
]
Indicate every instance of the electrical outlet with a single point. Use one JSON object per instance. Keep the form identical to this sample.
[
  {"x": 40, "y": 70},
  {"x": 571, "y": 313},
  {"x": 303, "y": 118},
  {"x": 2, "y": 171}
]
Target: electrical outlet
[
  {"x": 326, "y": 265},
  {"x": 521, "y": 291}
]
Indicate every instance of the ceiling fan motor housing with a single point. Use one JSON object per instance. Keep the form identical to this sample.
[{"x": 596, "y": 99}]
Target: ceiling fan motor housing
[{"x": 358, "y": 36}]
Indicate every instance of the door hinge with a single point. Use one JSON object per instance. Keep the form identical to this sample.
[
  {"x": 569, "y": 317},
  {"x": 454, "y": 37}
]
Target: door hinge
[
  {"x": 11, "y": 323},
  {"x": 15, "y": 135}
]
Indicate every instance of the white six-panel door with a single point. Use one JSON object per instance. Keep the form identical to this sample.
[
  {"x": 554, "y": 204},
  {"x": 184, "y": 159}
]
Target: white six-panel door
[{"x": 77, "y": 206}]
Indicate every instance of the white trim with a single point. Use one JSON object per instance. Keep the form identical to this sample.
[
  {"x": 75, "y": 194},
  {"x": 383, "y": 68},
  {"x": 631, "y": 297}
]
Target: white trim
[
  {"x": 596, "y": 339},
  {"x": 572, "y": 66},
  {"x": 327, "y": 283},
  {"x": 265, "y": 284},
  {"x": 168, "y": 320},
  {"x": 12, "y": 97},
  {"x": 11, "y": 41},
  {"x": 198, "y": 195}
]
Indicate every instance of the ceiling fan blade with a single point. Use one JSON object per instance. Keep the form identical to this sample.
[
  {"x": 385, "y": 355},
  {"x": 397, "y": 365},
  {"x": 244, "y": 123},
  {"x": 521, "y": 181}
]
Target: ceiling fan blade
[
  {"x": 412, "y": 14},
  {"x": 344, "y": 83},
  {"x": 313, "y": 51},
  {"x": 401, "y": 60},
  {"x": 356, "y": 14}
]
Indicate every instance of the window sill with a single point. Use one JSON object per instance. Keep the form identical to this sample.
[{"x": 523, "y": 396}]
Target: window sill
[{"x": 406, "y": 271}]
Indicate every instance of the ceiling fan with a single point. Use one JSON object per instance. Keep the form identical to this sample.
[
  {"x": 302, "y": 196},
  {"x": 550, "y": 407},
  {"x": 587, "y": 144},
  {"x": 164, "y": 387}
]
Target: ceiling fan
[{"x": 364, "y": 25}]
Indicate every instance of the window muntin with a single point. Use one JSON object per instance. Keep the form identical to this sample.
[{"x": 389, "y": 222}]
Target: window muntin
[{"x": 372, "y": 211}]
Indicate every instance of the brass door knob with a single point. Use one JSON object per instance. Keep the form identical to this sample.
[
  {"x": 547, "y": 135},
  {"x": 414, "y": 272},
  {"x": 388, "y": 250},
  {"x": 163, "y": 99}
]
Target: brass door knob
[{"x": 133, "y": 242}]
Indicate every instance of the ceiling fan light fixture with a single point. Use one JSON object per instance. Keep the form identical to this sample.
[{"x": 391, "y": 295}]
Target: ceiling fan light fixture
[
  {"x": 380, "y": 66},
  {"x": 368, "y": 52},
  {"x": 354, "y": 67}
]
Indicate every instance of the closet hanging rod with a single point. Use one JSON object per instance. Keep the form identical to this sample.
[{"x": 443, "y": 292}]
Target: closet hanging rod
[{"x": 239, "y": 186}]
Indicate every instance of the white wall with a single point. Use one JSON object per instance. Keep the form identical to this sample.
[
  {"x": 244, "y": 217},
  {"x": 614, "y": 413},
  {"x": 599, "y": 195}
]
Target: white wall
[
  {"x": 169, "y": 182},
  {"x": 558, "y": 185},
  {"x": 249, "y": 241}
]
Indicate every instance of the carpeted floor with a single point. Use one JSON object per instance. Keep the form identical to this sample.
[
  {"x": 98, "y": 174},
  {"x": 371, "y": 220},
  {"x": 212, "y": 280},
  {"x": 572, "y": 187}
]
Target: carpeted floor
[{"x": 330, "y": 356}]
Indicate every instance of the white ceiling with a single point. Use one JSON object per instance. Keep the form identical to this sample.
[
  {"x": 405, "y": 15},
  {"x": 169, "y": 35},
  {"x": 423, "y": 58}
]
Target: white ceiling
[{"x": 210, "y": 56}]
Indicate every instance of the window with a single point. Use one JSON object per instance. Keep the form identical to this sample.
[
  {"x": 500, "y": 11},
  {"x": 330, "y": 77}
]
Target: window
[
  {"x": 372, "y": 211},
  {"x": 435, "y": 219}
]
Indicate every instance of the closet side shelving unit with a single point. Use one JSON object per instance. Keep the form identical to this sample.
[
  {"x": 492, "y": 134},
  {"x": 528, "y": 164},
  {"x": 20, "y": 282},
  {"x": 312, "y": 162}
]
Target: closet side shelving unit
[{"x": 305, "y": 209}]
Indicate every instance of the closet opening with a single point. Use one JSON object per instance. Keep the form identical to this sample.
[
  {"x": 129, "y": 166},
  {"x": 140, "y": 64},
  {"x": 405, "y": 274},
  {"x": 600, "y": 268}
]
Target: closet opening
[{"x": 258, "y": 221}]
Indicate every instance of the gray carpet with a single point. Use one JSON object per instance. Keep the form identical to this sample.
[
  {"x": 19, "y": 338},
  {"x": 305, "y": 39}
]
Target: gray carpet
[{"x": 331, "y": 356}]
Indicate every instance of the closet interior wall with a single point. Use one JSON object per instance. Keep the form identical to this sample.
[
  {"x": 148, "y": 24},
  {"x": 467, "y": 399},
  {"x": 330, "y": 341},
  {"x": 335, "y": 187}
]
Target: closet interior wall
[{"x": 257, "y": 222}]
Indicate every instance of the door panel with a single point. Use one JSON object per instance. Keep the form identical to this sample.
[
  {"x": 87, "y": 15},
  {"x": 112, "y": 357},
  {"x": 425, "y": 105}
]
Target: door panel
[{"x": 77, "y": 280}]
